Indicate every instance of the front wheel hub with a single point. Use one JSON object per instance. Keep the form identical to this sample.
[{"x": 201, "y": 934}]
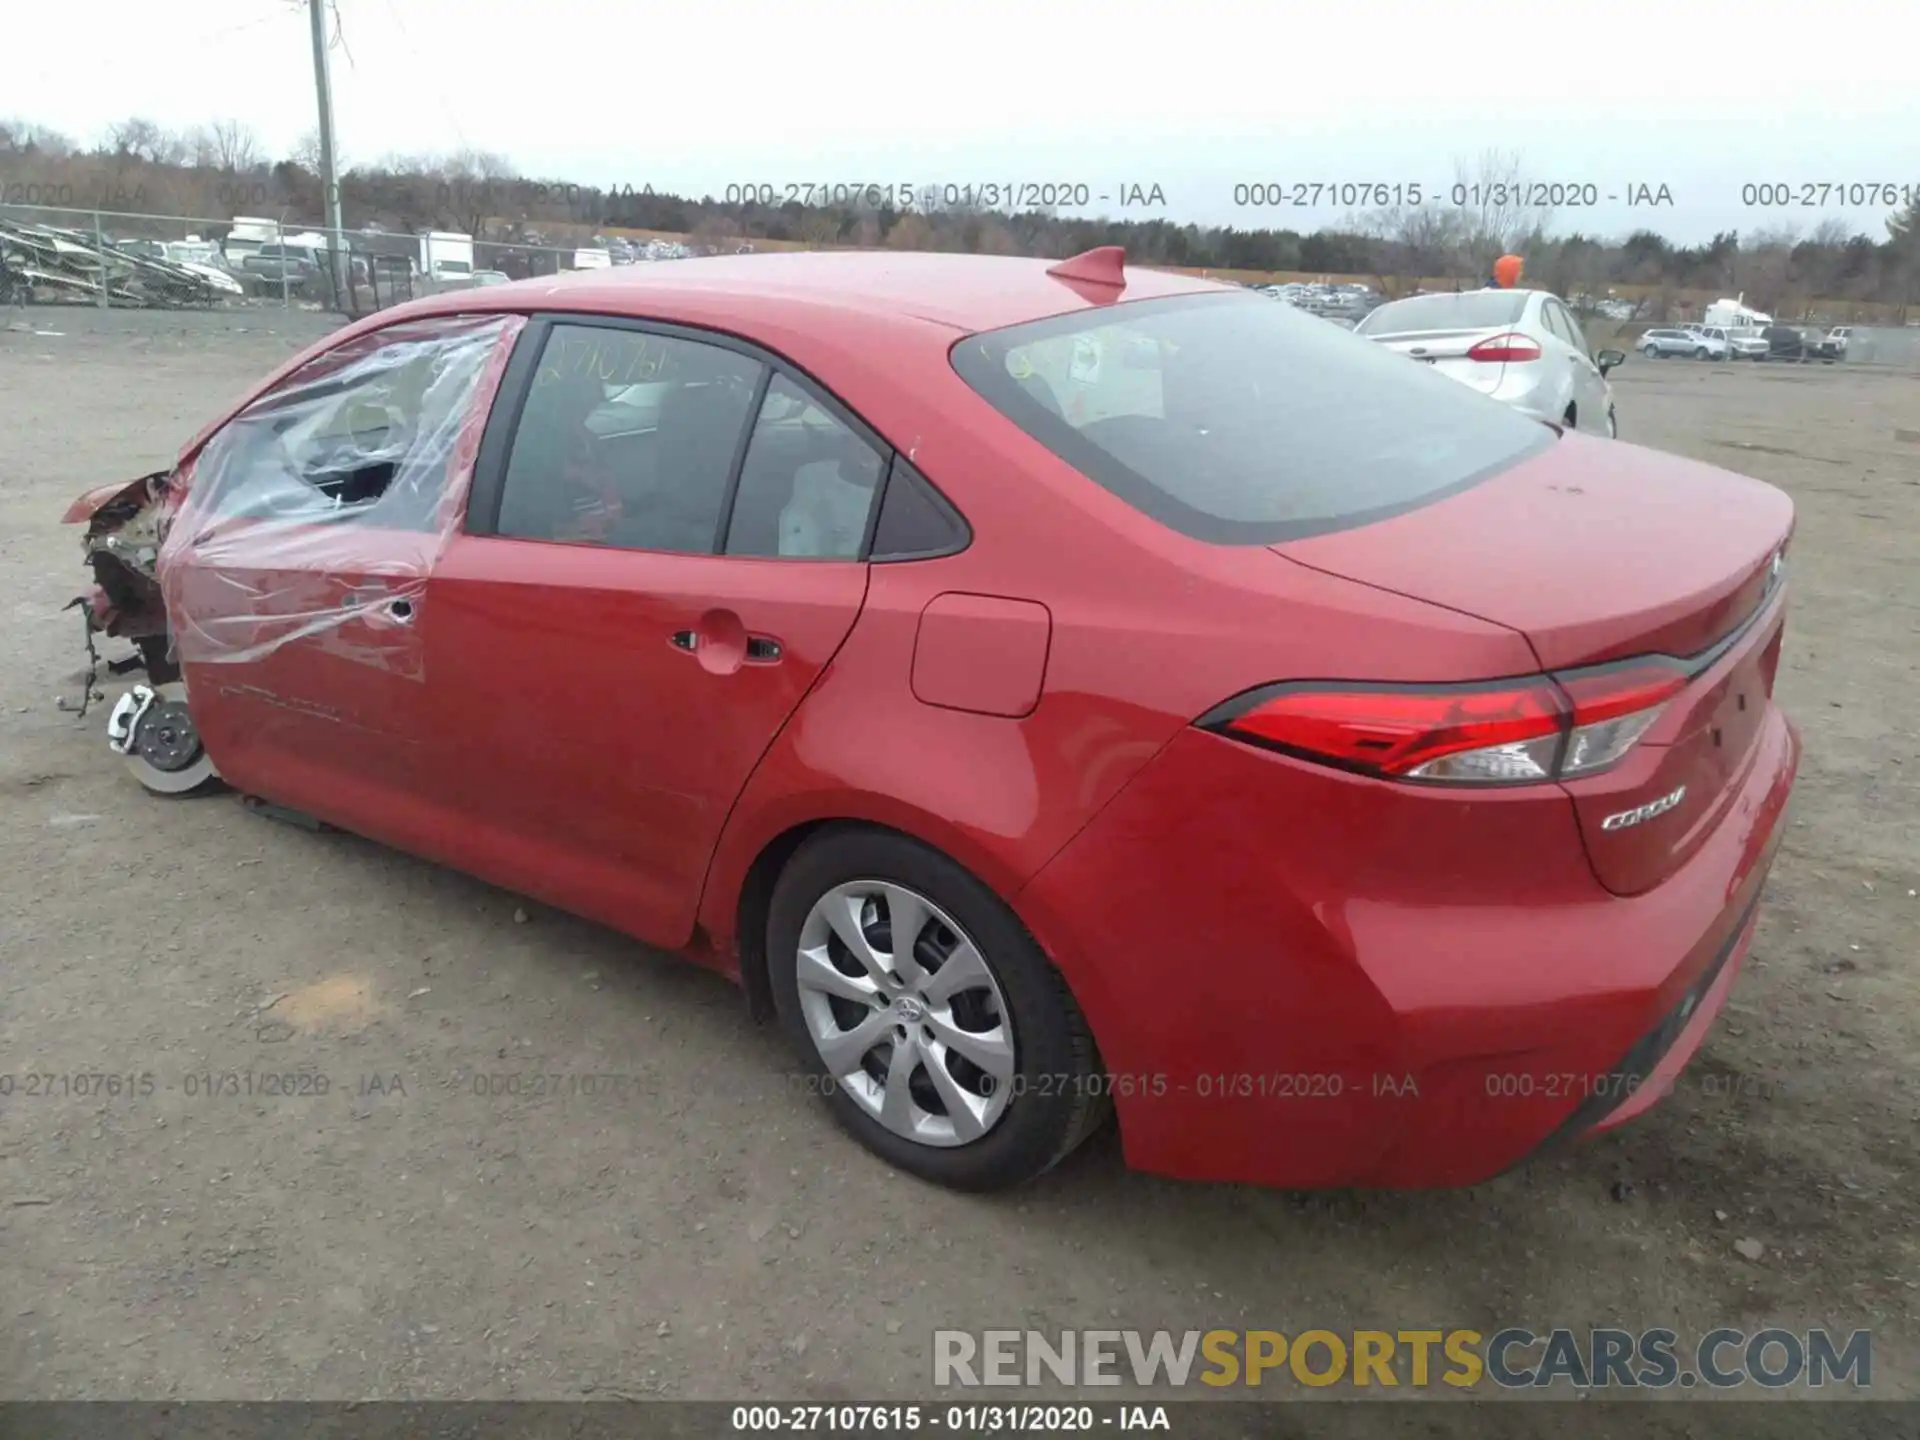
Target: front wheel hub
[
  {"x": 153, "y": 730},
  {"x": 165, "y": 737}
]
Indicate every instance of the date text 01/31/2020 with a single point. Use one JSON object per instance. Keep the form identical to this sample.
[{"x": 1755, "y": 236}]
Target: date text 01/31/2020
[
  {"x": 810, "y": 1419},
  {"x": 1002, "y": 195},
  {"x": 1530, "y": 194},
  {"x": 535, "y": 1085}
]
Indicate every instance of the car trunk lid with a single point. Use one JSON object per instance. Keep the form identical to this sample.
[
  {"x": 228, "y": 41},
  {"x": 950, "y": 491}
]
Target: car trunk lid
[
  {"x": 1597, "y": 551},
  {"x": 1448, "y": 351}
]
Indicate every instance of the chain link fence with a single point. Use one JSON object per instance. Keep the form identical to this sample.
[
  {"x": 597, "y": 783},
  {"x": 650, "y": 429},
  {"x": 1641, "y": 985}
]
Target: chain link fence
[{"x": 52, "y": 255}]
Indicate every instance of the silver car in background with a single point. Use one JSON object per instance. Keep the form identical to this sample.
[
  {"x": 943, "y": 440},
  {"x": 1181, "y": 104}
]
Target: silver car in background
[
  {"x": 1689, "y": 341},
  {"x": 1520, "y": 347}
]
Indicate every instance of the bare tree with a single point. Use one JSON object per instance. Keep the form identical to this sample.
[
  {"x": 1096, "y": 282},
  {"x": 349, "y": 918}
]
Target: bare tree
[
  {"x": 910, "y": 232},
  {"x": 1421, "y": 240},
  {"x": 1903, "y": 238},
  {"x": 306, "y": 152},
  {"x": 819, "y": 230},
  {"x": 203, "y": 150},
  {"x": 993, "y": 238},
  {"x": 1818, "y": 261},
  {"x": 474, "y": 184},
  {"x": 1499, "y": 210},
  {"x": 1765, "y": 266},
  {"x": 23, "y": 137},
  {"x": 236, "y": 147},
  {"x": 136, "y": 139}
]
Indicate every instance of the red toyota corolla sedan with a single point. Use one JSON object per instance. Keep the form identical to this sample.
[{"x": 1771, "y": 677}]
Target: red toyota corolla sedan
[{"x": 1050, "y": 690}]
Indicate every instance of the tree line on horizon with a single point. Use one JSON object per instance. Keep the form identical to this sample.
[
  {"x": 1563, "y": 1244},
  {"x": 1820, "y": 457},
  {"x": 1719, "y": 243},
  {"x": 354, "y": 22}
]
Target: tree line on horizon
[{"x": 222, "y": 169}]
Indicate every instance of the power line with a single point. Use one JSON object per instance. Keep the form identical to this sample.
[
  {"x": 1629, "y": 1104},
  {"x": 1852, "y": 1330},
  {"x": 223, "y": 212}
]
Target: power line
[{"x": 422, "y": 68}]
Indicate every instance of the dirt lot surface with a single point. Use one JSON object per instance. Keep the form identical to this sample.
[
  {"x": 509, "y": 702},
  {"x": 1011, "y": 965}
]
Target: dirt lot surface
[{"x": 702, "y": 1230}]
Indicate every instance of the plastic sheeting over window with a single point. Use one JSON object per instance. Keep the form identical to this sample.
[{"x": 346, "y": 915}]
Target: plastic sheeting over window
[{"x": 317, "y": 512}]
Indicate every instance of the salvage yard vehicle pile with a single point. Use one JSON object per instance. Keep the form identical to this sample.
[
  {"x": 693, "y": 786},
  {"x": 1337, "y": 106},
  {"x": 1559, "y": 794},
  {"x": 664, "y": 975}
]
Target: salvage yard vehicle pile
[
  {"x": 38, "y": 260},
  {"x": 422, "y": 584}
]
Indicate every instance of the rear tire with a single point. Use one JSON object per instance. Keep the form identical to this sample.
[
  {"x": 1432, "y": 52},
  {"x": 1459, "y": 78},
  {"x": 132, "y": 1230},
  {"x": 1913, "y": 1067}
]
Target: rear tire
[
  {"x": 888, "y": 1022},
  {"x": 1652, "y": 352},
  {"x": 1701, "y": 353}
]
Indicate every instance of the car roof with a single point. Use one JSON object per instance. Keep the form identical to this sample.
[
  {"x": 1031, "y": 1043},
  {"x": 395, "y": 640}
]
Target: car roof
[
  {"x": 955, "y": 294},
  {"x": 1529, "y": 295},
  {"x": 854, "y": 314}
]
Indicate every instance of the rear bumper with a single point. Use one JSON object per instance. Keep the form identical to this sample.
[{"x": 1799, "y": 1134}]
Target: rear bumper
[
  {"x": 1302, "y": 978},
  {"x": 1647, "y": 1072},
  {"x": 1533, "y": 392}
]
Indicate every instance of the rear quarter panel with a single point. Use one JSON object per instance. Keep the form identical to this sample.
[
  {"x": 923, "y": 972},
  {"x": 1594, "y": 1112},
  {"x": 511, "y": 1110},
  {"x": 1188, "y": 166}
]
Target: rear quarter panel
[{"x": 1148, "y": 630}]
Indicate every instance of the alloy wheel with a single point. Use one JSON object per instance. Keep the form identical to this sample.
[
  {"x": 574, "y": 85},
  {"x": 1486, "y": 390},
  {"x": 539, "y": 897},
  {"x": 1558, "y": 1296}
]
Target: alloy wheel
[{"x": 905, "y": 1012}]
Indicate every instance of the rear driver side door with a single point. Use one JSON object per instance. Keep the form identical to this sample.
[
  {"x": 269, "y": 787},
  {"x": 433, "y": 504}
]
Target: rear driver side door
[{"x": 663, "y": 550}]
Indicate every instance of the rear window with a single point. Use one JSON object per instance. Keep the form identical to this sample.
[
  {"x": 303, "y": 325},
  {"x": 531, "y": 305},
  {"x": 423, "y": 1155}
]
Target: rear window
[
  {"x": 1471, "y": 310},
  {"x": 1236, "y": 421}
]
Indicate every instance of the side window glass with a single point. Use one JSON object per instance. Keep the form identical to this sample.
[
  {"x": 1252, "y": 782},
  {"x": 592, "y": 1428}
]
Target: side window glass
[
  {"x": 368, "y": 433},
  {"x": 1550, "y": 315},
  {"x": 916, "y": 521},
  {"x": 628, "y": 439},
  {"x": 808, "y": 483},
  {"x": 1576, "y": 337}
]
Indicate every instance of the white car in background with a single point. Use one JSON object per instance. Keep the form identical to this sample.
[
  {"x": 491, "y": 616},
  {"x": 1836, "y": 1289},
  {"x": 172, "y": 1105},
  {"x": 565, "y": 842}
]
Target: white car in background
[
  {"x": 1520, "y": 347},
  {"x": 216, "y": 278}
]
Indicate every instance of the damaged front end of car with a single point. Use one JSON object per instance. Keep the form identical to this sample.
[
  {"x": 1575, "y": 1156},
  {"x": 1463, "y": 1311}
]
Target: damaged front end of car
[
  {"x": 282, "y": 562},
  {"x": 150, "y": 726}
]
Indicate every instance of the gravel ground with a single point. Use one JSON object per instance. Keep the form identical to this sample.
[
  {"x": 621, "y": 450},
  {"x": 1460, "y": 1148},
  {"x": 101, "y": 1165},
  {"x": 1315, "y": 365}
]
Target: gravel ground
[{"x": 701, "y": 1229}]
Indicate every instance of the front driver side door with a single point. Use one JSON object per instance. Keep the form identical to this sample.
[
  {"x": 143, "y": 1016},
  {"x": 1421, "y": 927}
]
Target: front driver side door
[
  {"x": 295, "y": 572},
  {"x": 662, "y": 553}
]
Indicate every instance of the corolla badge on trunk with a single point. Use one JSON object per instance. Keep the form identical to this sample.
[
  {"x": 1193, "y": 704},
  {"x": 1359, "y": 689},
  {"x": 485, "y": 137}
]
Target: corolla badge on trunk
[{"x": 1644, "y": 812}]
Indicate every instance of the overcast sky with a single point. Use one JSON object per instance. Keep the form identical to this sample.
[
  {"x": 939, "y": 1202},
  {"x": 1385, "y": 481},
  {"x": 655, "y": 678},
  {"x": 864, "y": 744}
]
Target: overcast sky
[{"x": 1700, "y": 96}]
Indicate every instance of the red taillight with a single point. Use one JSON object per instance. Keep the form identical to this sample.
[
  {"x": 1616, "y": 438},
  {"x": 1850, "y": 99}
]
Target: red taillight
[
  {"x": 1394, "y": 732},
  {"x": 1510, "y": 348},
  {"x": 1621, "y": 690},
  {"x": 1516, "y": 732}
]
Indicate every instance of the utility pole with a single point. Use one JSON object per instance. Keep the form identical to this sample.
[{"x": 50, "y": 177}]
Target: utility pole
[{"x": 329, "y": 176}]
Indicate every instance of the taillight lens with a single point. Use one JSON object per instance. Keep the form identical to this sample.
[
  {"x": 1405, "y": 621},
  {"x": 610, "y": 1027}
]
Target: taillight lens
[
  {"x": 1612, "y": 709},
  {"x": 1510, "y": 348},
  {"x": 1422, "y": 732},
  {"x": 1546, "y": 727}
]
